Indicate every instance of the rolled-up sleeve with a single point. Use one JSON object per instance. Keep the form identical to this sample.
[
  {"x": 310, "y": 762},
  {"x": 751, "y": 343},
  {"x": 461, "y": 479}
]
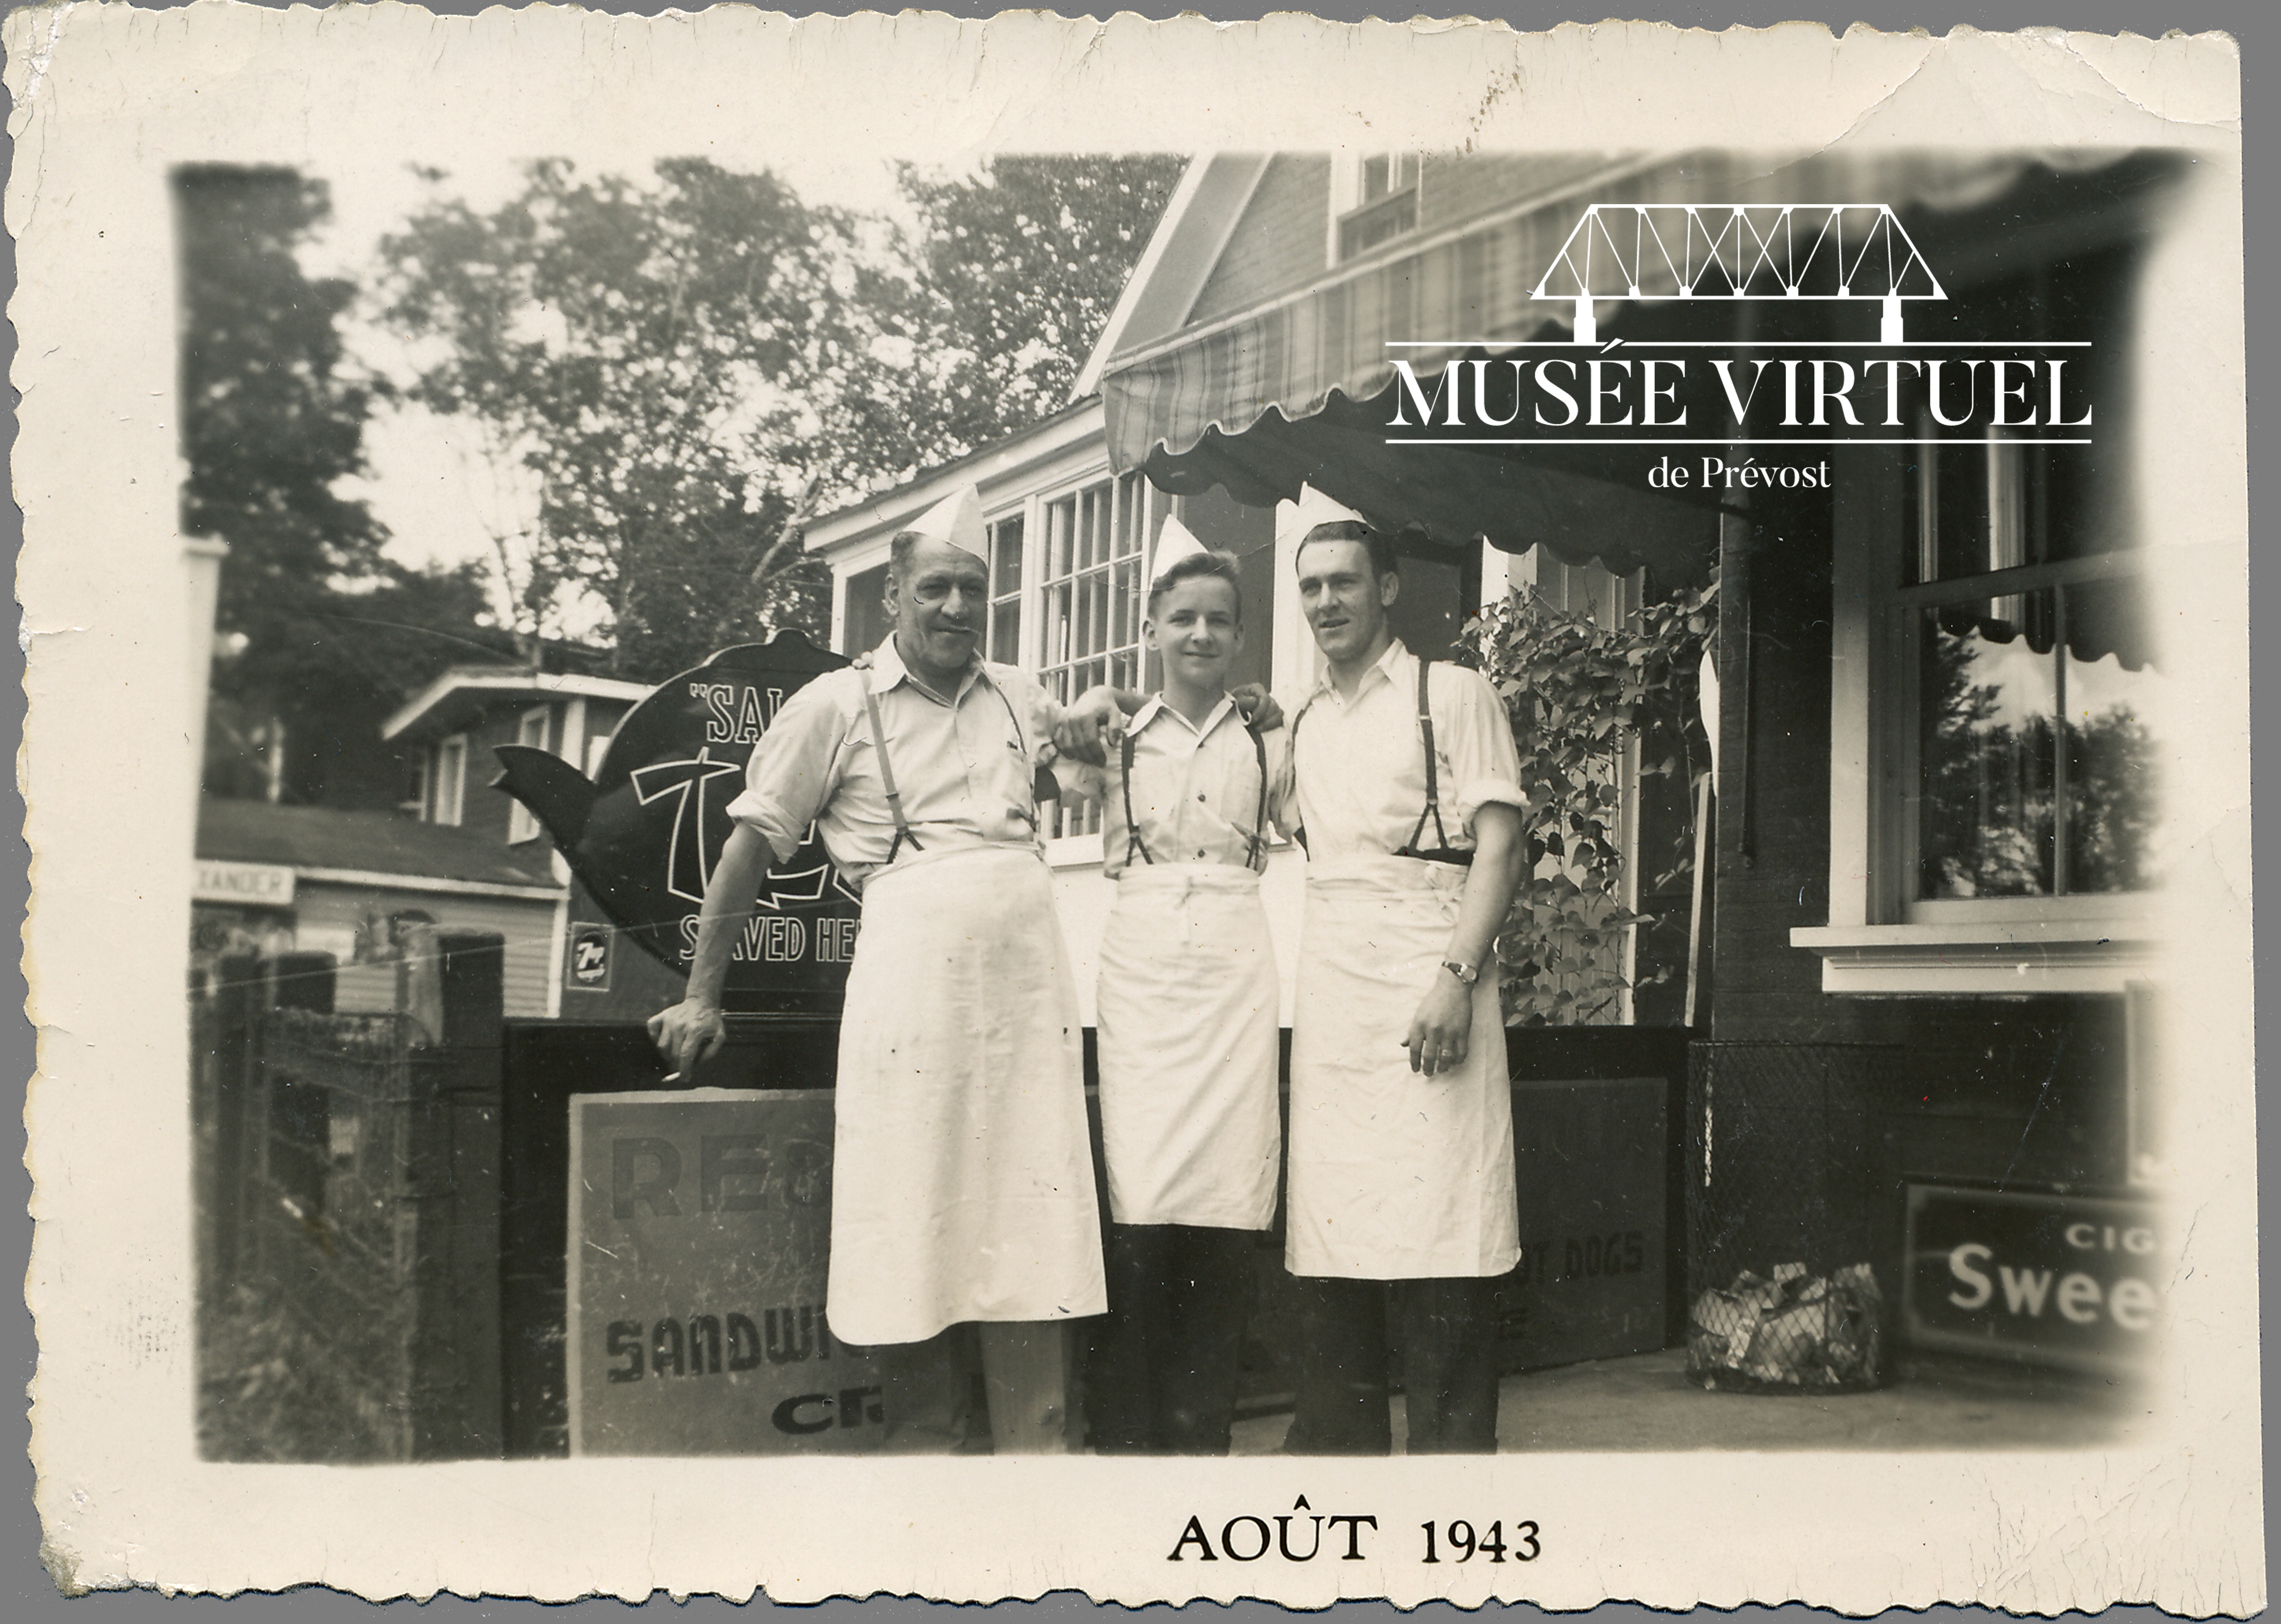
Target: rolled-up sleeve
[
  {"x": 794, "y": 768},
  {"x": 1041, "y": 714},
  {"x": 1477, "y": 737}
]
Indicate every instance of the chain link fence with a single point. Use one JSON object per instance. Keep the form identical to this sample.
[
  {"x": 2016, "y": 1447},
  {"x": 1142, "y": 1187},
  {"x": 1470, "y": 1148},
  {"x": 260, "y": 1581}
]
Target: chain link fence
[
  {"x": 348, "y": 1189},
  {"x": 1780, "y": 1214}
]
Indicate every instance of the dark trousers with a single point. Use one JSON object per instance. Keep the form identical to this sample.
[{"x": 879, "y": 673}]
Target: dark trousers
[
  {"x": 1161, "y": 1380},
  {"x": 1445, "y": 1331},
  {"x": 1024, "y": 1367}
]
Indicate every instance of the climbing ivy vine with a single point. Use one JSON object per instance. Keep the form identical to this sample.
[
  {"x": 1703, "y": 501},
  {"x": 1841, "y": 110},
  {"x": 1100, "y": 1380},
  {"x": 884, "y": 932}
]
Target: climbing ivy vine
[{"x": 1579, "y": 692}]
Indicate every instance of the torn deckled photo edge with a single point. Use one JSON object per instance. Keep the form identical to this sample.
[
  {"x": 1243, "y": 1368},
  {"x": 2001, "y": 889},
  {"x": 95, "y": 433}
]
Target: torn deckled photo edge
[{"x": 968, "y": 807}]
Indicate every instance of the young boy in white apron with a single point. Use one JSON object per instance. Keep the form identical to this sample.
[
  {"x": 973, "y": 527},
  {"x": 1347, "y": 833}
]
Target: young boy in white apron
[
  {"x": 962, "y": 1189},
  {"x": 1402, "y": 1154},
  {"x": 1188, "y": 1003}
]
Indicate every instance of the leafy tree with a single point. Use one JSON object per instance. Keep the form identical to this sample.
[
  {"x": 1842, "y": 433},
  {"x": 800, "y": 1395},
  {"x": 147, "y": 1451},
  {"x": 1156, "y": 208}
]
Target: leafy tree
[
  {"x": 1018, "y": 270},
  {"x": 701, "y": 597},
  {"x": 674, "y": 362},
  {"x": 1989, "y": 817},
  {"x": 1984, "y": 818},
  {"x": 353, "y": 656},
  {"x": 661, "y": 360},
  {"x": 319, "y": 634},
  {"x": 270, "y": 421}
]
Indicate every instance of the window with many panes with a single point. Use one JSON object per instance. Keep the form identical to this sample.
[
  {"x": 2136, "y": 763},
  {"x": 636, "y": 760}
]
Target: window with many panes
[
  {"x": 1091, "y": 591},
  {"x": 2035, "y": 772},
  {"x": 1997, "y": 701}
]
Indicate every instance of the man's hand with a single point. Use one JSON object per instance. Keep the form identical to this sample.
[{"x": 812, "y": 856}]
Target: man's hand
[
  {"x": 1090, "y": 727},
  {"x": 1258, "y": 705},
  {"x": 688, "y": 1034},
  {"x": 1442, "y": 1027}
]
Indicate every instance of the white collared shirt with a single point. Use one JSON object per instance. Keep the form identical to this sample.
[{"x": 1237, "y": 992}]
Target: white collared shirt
[
  {"x": 965, "y": 767},
  {"x": 1195, "y": 790},
  {"x": 1359, "y": 764}
]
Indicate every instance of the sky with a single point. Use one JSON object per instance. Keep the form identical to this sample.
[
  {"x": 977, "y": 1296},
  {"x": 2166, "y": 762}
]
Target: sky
[
  {"x": 2026, "y": 687},
  {"x": 429, "y": 480}
]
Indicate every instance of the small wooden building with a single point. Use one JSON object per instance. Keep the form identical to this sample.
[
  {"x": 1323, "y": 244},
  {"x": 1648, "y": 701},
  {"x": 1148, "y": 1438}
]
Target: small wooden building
[{"x": 274, "y": 881}]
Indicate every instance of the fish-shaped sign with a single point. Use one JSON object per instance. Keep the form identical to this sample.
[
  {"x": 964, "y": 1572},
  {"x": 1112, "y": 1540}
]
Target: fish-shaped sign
[{"x": 642, "y": 834}]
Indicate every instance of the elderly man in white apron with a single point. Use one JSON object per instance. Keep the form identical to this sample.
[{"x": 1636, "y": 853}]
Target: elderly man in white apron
[
  {"x": 962, "y": 1183},
  {"x": 1189, "y": 1002},
  {"x": 1401, "y": 1153}
]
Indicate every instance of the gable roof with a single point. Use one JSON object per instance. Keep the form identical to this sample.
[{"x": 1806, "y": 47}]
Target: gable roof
[
  {"x": 465, "y": 681},
  {"x": 325, "y": 842},
  {"x": 1192, "y": 234}
]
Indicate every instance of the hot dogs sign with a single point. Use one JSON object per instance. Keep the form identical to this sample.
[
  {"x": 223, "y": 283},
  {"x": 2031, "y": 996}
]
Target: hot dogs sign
[{"x": 642, "y": 834}]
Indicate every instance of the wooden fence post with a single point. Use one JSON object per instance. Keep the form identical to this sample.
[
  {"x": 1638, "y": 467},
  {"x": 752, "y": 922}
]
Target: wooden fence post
[
  {"x": 456, "y": 1402},
  {"x": 238, "y": 990}
]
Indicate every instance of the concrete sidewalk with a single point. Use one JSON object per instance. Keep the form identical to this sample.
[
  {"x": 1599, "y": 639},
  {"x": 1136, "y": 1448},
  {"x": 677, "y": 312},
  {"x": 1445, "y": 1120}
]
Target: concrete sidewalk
[{"x": 1646, "y": 1402}]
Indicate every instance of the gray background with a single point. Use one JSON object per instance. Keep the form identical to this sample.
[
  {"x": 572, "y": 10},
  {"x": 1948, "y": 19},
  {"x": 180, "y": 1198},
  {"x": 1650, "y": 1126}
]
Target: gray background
[{"x": 26, "y": 1593}]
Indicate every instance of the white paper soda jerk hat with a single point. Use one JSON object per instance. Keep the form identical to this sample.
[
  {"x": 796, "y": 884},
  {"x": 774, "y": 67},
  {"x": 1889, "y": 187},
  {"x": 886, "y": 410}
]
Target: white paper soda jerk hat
[
  {"x": 956, "y": 519},
  {"x": 1174, "y": 543},
  {"x": 1293, "y": 520}
]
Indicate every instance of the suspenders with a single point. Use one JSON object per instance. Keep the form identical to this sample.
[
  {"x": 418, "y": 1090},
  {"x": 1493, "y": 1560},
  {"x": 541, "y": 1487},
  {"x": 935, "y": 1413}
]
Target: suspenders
[
  {"x": 887, "y": 774},
  {"x": 1444, "y": 852},
  {"x": 903, "y": 831},
  {"x": 1254, "y": 848}
]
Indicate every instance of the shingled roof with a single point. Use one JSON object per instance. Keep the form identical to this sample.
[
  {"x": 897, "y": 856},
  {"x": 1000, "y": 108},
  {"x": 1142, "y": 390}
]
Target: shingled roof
[{"x": 307, "y": 839}]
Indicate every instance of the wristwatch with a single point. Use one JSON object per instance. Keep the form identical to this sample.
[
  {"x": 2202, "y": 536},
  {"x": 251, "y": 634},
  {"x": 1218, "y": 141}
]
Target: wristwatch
[{"x": 1466, "y": 974}]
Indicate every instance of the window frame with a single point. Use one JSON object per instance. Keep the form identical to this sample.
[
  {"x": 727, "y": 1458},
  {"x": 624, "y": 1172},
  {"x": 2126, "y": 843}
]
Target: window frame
[
  {"x": 1880, "y": 939},
  {"x": 1041, "y": 550},
  {"x": 416, "y": 775},
  {"x": 1018, "y": 518},
  {"x": 451, "y": 784},
  {"x": 1349, "y": 204}
]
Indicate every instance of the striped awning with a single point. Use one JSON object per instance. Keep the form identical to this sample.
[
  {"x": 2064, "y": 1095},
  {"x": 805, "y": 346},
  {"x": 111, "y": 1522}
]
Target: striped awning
[
  {"x": 1296, "y": 390},
  {"x": 1583, "y": 507},
  {"x": 1292, "y": 354}
]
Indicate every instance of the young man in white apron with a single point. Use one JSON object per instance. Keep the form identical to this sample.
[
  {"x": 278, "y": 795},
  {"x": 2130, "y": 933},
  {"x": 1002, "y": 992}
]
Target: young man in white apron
[
  {"x": 1188, "y": 1003},
  {"x": 963, "y": 1185},
  {"x": 1402, "y": 1154}
]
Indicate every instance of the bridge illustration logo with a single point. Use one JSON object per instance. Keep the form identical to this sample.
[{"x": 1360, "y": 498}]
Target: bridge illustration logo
[{"x": 1682, "y": 252}]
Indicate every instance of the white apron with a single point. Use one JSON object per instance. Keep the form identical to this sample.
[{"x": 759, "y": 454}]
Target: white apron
[
  {"x": 1188, "y": 1005},
  {"x": 962, "y": 1174},
  {"x": 1394, "y": 1175}
]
